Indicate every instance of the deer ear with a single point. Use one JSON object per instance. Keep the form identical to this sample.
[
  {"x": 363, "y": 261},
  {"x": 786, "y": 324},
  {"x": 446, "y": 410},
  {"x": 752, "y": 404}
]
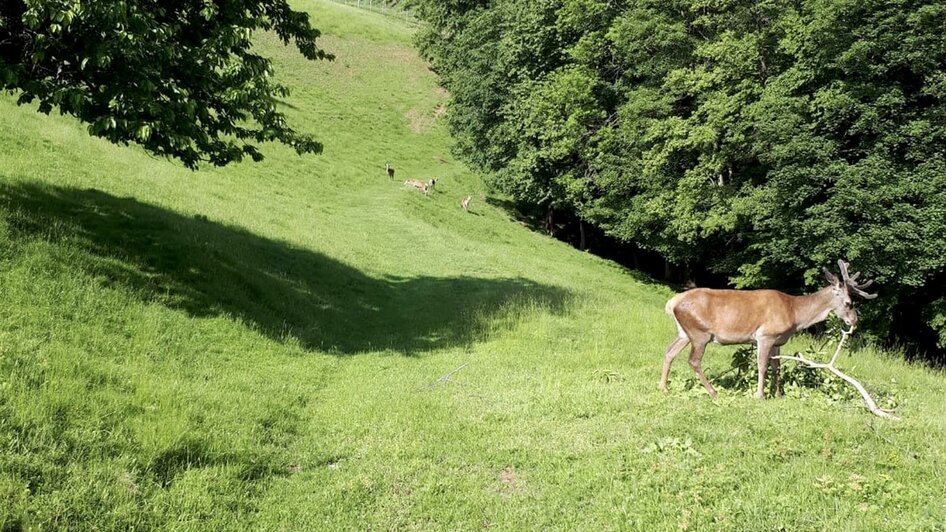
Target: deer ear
[{"x": 833, "y": 279}]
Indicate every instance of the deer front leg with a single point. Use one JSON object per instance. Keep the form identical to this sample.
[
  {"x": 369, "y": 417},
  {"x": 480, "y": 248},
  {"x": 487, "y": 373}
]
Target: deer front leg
[
  {"x": 777, "y": 371},
  {"x": 765, "y": 348}
]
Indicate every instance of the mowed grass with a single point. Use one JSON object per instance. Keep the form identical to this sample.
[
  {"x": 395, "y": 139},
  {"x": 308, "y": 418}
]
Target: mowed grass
[{"x": 304, "y": 344}]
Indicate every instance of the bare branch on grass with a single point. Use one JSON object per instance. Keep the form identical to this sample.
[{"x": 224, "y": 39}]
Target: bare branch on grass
[
  {"x": 444, "y": 378},
  {"x": 868, "y": 400}
]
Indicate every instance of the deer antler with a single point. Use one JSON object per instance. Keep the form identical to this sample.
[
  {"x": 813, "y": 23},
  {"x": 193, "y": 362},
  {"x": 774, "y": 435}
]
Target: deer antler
[{"x": 851, "y": 281}]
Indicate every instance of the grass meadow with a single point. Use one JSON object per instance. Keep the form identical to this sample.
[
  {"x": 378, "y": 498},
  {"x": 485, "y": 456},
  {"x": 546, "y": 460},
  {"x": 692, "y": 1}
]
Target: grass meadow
[{"x": 305, "y": 344}]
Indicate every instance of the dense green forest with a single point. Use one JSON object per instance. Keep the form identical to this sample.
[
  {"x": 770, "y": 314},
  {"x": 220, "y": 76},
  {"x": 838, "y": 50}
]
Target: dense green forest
[{"x": 757, "y": 141}]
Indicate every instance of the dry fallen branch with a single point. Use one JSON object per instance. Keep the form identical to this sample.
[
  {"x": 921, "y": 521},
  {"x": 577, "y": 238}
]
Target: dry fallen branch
[
  {"x": 446, "y": 377},
  {"x": 871, "y": 404}
]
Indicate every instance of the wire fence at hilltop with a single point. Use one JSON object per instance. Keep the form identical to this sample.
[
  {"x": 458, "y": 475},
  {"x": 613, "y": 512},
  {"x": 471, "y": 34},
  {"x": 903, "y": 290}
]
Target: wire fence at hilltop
[{"x": 394, "y": 8}]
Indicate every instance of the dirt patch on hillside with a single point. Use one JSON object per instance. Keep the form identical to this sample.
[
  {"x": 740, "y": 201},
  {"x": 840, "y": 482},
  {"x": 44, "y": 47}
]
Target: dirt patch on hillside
[
  {"x": 420, "y": 121},
  {"x": 510, "y": 480}
]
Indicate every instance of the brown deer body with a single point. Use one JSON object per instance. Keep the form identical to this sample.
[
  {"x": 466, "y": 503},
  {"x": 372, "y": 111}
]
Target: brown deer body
[
  {"x": 390, "y": 170},
  {"x": 765, "y": 318},
  {"x": 416, "y": 184},
  {"x": 465, "y": 204},
  {"x": 420, "y": 185}
]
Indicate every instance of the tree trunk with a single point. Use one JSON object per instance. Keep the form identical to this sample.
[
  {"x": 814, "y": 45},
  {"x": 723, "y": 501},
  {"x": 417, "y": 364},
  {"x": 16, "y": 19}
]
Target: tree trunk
[
  {"x": 688, "y": 280},
  {"x": 581, "y": 229},
  {"x": 668, "y": 273}
]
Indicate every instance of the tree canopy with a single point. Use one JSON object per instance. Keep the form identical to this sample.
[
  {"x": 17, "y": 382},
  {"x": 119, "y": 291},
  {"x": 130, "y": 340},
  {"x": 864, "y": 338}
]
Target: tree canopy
[
  {"x": 179, "y": 78},
  {"x": 758, "y": 140}
]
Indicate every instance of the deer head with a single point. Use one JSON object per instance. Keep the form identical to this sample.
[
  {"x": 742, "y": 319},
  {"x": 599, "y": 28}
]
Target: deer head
[{"x": 841, "y": 290}]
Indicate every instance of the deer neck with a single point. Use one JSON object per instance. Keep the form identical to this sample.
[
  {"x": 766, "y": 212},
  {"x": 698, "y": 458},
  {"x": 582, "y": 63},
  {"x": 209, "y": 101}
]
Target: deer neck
[{"x": 813, "y": 308}]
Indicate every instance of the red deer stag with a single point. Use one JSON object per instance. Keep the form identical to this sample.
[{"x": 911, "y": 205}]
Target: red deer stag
[{"x": 766, "y": 318}]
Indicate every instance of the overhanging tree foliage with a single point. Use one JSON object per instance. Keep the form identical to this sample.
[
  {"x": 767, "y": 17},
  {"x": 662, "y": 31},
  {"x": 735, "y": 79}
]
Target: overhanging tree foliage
[
  {"x": 180, "y": 78},
  {"x": 759, "y": 140}
]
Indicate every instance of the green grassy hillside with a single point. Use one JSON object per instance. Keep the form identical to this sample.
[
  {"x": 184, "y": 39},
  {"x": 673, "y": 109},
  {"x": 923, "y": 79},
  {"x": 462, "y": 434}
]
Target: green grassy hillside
[{"x": 305, "y": 344}]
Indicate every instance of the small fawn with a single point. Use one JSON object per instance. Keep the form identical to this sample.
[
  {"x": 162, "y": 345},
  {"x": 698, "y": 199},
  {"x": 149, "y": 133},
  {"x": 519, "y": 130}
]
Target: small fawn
[{"x": 420, "y": 185}]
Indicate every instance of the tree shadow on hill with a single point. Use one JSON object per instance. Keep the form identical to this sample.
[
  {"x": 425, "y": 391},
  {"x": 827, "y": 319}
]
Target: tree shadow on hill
[
  {"x": 643, "y": 266},
  {"x": 209, "y": 269}
]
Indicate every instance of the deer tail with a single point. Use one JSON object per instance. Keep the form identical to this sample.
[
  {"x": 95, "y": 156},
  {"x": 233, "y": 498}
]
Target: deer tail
[
  {"x": 669, "y": 309},
  {"x": 672, "y": 303}
]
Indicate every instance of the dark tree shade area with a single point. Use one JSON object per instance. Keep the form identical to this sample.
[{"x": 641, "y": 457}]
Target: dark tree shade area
[
  {"x": 180, "y": 78},
  {"x": 756, "y": 140}
]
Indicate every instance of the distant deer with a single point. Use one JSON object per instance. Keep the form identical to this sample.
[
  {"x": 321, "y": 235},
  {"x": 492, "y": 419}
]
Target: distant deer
[
  {"x": 420, "y": 185},
  {"x": 389, "y": 169},
  {"x": 766, "y": 318},
  {"x": 466, "y": 203}
]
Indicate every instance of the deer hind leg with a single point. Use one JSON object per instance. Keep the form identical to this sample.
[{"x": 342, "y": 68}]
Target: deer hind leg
[
  {"x": 765, "y": 351},
  {"x": 672, "y": 351},
  {"x": 698, "y": 346}
]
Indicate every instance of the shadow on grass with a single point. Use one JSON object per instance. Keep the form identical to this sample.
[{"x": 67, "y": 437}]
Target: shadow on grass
[
  {"x": 209, "y": 269},
  {"x": 642, "y": 266}
]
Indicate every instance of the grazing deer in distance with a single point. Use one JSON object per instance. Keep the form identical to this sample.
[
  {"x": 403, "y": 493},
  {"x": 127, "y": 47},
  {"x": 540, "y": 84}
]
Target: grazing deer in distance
[
  {"x": 766, "y": 318},
  {"x": 420, "y": 185},
  {"x": 466, "y": 203},
  {"x": 389, "y": 169}
]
